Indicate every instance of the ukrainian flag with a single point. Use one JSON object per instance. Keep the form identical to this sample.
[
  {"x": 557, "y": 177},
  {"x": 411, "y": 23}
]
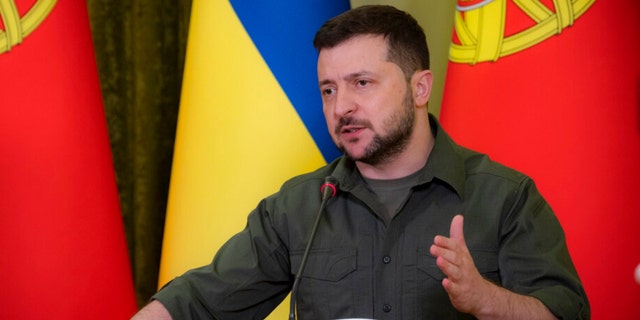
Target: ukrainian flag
[{"x": 250, "y": 117}]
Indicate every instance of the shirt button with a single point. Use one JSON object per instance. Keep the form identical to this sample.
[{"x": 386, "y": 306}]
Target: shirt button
[
  {"x": 386, "y": 259},
  {"x": 386, "y": 308}
]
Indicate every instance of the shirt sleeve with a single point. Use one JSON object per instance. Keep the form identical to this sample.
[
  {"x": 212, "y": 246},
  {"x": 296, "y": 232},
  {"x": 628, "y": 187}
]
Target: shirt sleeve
[
  {"x": 247, "y": 279},
  {"x": 534, "y": 258}
]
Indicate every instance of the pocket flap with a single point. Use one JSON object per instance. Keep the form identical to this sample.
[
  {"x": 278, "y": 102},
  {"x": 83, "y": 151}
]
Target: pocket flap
[{"x": 330, "y": 264}]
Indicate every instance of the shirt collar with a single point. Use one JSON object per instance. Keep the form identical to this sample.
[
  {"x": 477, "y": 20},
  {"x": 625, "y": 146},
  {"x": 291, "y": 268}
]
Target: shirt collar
[{"x": 445, "y": 162}]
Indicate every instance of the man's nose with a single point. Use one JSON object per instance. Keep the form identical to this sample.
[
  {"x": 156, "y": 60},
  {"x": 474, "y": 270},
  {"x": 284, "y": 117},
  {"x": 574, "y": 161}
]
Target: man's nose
[{"x": 345, "y": 103}]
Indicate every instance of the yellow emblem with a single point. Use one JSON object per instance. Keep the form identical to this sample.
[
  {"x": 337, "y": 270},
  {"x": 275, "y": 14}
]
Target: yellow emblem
[
  {"x": 17, "y": 28},
  {"x": 480, "y": 27}
]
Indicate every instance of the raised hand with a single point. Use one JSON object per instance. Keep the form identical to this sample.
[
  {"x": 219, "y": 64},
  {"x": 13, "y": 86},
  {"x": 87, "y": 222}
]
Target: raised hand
[
  {"x": 463, "y": 282},
  {"x": 469, "y": 292}
]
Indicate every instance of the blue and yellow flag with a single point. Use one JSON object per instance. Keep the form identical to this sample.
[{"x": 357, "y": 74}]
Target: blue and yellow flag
[{"x": 250, "y": 118}]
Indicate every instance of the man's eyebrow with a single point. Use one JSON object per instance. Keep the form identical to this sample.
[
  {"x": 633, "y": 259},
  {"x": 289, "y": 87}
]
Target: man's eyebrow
[
  {"x": 356, "y": 75},
  {"x": 348, "y": 77},
  {"x": 325, "y": 82}
]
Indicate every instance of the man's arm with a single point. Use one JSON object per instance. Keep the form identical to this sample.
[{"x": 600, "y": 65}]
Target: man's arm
[
  {"x": 153, "y": 311},
  {"x": 470, "y": 292}
]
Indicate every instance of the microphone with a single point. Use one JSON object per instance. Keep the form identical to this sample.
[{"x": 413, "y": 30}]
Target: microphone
[{"x": 328, "y": 190}]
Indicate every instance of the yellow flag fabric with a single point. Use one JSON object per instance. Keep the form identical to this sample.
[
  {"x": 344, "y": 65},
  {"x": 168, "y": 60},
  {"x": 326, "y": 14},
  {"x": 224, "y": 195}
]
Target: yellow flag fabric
[{"x": 239, "y": 134}]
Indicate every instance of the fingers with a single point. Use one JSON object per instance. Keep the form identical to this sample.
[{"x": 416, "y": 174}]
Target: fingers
[
  {"x": 462, "y": 282},
  {"x": 448, "y": 258},
  {"x": 450, "y": 269},
  {"x": 456, "y": 229},
  {"x": 445, "y": 248},
  {"x": 454, "y": 243},
  {"x": 451, "y": 252}
]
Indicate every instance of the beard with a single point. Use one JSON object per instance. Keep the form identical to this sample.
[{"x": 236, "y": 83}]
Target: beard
[{"x": 384, "y": 148}]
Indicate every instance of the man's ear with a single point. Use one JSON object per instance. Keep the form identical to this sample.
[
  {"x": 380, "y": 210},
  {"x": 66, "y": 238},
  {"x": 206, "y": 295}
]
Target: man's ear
[{"x": 422, "y": 82}]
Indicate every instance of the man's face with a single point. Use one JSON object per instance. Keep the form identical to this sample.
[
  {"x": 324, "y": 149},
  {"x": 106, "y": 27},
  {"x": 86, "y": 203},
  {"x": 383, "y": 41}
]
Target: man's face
[{"x": 366, "y": 101}]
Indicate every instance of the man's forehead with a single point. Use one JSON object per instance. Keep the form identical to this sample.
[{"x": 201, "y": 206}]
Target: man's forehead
[
  {"x": 356, "y": 51},
  {"x": 359, "y": 39}
]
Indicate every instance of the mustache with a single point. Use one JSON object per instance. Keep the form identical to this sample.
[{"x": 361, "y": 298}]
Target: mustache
[{"x": 351, "y": 121}]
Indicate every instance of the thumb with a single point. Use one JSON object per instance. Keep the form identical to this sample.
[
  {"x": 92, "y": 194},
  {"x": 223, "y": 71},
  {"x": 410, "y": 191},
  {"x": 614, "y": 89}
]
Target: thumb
[{"x": 456, "y": 230}]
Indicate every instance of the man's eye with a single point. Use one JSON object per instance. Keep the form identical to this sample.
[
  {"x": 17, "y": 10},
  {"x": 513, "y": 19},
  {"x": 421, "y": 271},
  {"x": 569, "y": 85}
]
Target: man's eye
[
  {"x": 328, "y": 91},
  {"x": 362, "y": 83}
]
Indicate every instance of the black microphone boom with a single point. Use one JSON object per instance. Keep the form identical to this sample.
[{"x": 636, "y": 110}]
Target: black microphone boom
[{"x": 328, "y": 190}]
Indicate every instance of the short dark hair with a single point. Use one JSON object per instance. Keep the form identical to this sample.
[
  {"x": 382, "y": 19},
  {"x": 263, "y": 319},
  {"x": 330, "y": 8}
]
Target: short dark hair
[{"x": 406, "y": 41}]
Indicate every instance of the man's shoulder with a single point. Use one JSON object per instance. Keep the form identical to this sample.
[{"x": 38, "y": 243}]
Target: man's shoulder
[
  {"x": 463, "y": 163},
  {"x": 481, "y": 165}
]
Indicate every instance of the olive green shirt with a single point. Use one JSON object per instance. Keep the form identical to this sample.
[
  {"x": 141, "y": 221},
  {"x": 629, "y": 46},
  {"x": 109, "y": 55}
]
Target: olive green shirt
[{"x": 363, "y": 265}]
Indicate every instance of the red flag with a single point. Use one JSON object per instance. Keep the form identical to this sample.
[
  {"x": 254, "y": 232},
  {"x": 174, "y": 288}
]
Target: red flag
[
  {"x": 552, "y": 89},
  {"x": 63, "y": 246}
]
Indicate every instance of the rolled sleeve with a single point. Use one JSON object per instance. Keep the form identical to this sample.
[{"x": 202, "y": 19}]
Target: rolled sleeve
[{"x": 534, "y": 257}]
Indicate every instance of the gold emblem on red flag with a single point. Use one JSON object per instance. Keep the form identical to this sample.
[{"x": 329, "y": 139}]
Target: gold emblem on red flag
[
  {"x": 16, "y": 28},
  {"x": 480, "y": 27}
]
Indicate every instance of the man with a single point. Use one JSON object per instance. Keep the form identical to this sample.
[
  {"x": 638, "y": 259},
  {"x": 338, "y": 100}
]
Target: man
[{"x": 380, "y": 250}]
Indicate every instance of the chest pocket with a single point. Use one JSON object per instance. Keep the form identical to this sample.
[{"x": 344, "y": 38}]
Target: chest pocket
[
  {"x": 327, "y": 282},
  {"x": 485, "y": 261},
  {"x": 331, "y": 264}
]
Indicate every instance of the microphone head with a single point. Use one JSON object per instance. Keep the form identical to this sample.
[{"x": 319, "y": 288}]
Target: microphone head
[{"x": 329, "y": 188}]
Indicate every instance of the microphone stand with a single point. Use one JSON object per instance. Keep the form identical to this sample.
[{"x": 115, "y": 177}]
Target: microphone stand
[{"x": 328, "y": 190}]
